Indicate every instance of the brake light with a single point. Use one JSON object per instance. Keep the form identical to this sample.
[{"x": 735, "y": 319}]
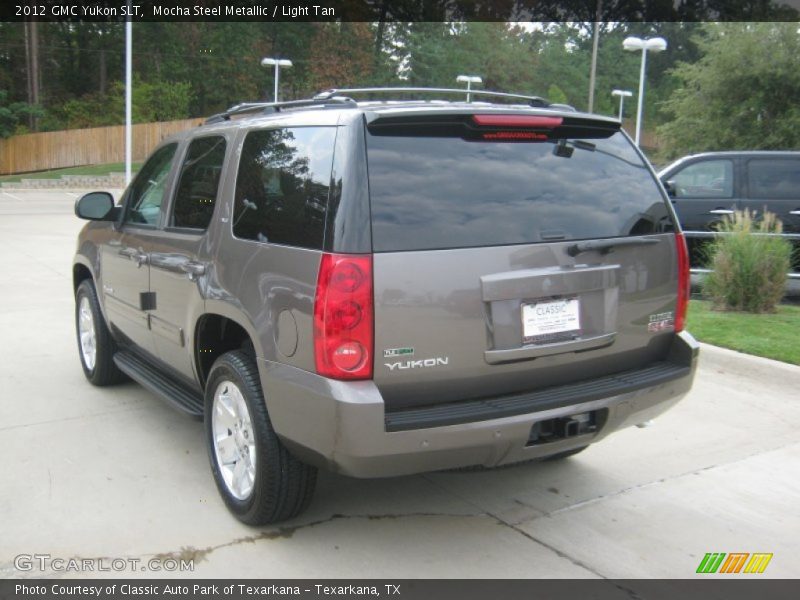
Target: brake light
[
  {"x": 684, "y": 283},
  {"x": 516, "y": 135},
  {"x": 535, "y": 121},
  {"x": 343, "y": 327}
]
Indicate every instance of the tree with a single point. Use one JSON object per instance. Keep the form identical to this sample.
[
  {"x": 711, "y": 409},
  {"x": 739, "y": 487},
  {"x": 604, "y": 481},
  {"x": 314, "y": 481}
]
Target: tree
[
  {"x": 438, "y": 52},
  {"x": 14, "y": 114},
  {"x": 742, "y": 93},
  {"x": 331, "y": 42},
  {"x": 152, "y": 101}
]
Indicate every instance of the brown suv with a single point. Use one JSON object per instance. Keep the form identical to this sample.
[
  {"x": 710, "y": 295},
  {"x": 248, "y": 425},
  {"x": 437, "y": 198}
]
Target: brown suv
[{"x": 388, "y": 287}]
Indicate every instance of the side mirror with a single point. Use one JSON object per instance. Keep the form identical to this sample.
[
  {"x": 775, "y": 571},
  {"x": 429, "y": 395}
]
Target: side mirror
[
  {"x": 670, "y": 187},
  {"x": 96, "y": 206}
]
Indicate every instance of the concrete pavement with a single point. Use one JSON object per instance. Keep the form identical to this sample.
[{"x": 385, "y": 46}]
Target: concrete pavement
[{"x": 114, "y": 473}]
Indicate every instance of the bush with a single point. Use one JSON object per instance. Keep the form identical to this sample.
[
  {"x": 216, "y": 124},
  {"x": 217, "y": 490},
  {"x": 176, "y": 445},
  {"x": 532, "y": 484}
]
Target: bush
[
  {"x": 748, "y": 270},
  {"x": 13, "y": 115},
  {"x": 151, "y": 101}
]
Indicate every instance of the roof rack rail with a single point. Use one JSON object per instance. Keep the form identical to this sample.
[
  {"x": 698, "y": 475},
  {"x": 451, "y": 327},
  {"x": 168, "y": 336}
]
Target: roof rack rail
[
  {"x": 537, "y": 101},
  {"x": 272, "y": 107}
]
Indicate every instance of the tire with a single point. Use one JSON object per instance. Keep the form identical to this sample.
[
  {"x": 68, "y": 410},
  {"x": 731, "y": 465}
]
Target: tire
[
  {"x": 96, "y": 347},
  {"x": 257, "y": 477},
  {"x": 565, "y": 454}
]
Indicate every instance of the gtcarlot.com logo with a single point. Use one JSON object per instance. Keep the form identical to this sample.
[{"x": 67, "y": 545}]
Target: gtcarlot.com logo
[
  {"x": 47, "y": 562},
  {"x": 735, "y": 562}
]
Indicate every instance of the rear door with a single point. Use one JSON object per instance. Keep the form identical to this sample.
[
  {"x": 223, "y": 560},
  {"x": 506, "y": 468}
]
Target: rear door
[{"x": 511, "y": 258}]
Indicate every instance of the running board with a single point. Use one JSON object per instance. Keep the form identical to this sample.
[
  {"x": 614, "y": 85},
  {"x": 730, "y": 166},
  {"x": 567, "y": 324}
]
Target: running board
[{"x": 160, "y": 384}]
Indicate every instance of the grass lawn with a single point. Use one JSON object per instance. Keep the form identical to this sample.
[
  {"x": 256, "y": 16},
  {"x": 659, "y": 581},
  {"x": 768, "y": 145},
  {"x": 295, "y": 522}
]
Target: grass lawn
[
  {"x": 775, "y": 336},
  {"x": 85, "y": 170}
]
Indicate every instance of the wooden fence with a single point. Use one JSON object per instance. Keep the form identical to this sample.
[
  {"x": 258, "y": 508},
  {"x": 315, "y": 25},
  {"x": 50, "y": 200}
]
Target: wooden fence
[{"x": 76, "y": 147}]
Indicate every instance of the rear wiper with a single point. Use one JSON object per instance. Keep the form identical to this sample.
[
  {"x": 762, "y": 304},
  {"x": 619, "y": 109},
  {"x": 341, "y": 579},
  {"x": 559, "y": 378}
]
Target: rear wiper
[
  {"x": 605, "y": 246},
  {"x": 564, "y": 149}
]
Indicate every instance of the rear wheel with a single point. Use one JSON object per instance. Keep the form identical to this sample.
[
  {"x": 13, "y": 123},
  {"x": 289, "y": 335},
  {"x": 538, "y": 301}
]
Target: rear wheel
[
  {"x": 96, "y": 347},
  {"x": 259, "y": 480}
]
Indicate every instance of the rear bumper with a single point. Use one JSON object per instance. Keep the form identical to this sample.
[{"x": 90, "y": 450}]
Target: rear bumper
[{"x": 342, "y": 426}]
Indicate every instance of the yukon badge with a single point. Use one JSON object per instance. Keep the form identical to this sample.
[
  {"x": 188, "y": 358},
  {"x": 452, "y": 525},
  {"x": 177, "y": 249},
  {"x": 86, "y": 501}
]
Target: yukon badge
[{"x": 418, "y": 364}]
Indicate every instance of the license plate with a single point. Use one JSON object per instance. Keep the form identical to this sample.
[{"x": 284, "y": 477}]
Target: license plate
[{"x": 552, "y": 320}]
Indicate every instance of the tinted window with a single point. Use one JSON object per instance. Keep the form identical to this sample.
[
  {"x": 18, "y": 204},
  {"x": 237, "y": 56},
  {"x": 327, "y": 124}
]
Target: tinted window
[
  {"x": 707, "y": 179},
  {"x": 773, "y": 178},
  {"x": 283, "y": 184},
  {"x": 147, "y": 191},
  {"x": 432, "y": 193},
  {"x": 199, "y": 182}
]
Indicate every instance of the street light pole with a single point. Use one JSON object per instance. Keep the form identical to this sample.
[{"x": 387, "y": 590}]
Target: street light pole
[
  {"x": 622, "y": 95},
  {"x": 128, "y": 93},
  {"x": 654, "y": 45},
  {"x": 469, "y": 80},
  {"x": 278, "y": 63},
  {"x": 595, "y": 42},
  {"x": 640, "y": 97}
]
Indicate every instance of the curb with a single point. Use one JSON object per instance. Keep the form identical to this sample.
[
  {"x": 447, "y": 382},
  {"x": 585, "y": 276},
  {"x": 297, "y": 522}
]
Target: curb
[{"x": 112, "y": 180}]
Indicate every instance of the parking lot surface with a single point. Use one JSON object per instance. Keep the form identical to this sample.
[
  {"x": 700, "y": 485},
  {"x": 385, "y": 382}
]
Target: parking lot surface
[{"x": 114, "y": 473}]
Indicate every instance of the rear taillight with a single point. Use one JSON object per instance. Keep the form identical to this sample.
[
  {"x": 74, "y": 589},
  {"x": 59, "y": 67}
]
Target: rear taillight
[
  {"x": 682, "y": 304},
  {"x": 343, "y": 327},
  {"x": 533, "y": 121}
]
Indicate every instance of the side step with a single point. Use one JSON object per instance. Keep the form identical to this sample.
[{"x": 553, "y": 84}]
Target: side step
[{"x": 163, "y": 386}]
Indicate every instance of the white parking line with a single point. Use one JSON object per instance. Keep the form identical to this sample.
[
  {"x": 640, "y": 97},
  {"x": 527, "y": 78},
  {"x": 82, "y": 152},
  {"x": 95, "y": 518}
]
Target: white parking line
[{"x": 17, "y": 198}]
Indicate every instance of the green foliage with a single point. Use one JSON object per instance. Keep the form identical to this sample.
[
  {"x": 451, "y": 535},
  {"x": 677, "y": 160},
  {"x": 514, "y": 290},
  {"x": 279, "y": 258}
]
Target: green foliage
[
  {"x": 742, "y": 93},
  {"x": 160, "y": 100},
  {"x": 153, "y": 101},
  {"x": 748, "y": 271},
  {"x": 556, "y": 94},
  {"x": 437, "y": 53},
  {"x": 13, "y": 115},
  {"x": 81, "y": 63},
  {"x": 769, "y": 335}
]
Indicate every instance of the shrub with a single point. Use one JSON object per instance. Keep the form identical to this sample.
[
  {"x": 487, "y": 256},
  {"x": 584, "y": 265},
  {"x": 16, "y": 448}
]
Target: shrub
[
  {"x": 14, "y": 114},
  {"x": 152, "y": 101},
  {"x": 748, "y": 269}
]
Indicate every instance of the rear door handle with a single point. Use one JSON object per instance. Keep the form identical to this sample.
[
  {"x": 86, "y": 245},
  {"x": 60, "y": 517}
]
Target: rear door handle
[
  {"x": 721, "y": 211},
  {"x": 794, "y": 212},
  {"x": 193, "y": 269}
]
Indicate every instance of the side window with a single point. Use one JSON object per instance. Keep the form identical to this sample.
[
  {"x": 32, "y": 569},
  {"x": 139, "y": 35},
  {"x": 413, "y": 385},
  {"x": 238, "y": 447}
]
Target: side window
[
  {"x": 198, "y": 183},
  {"x": 773, "y": 178},
  {"x": 708, "y": 179},
  {"x": 283, "y": 185},
  {"x": 147, "y": 191}
]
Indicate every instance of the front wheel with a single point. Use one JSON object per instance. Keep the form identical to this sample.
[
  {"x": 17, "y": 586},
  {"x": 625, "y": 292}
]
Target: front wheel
[
  {"x": 96, "y": 347},
  {"x": 259, "y": 480}
]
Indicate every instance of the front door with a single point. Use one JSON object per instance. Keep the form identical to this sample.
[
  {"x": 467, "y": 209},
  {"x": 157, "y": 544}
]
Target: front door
[
  {"x": 179, "y": 262},
  {"x": 704, "y": 193},
  {"x": 125, "y": 257}
]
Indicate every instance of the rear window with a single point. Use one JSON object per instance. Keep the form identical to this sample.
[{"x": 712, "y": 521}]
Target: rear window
[
  {"x": 448, "y": 192},
  {"x": 283, "y": 185},
  {"x": 773, "y": 178}
]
